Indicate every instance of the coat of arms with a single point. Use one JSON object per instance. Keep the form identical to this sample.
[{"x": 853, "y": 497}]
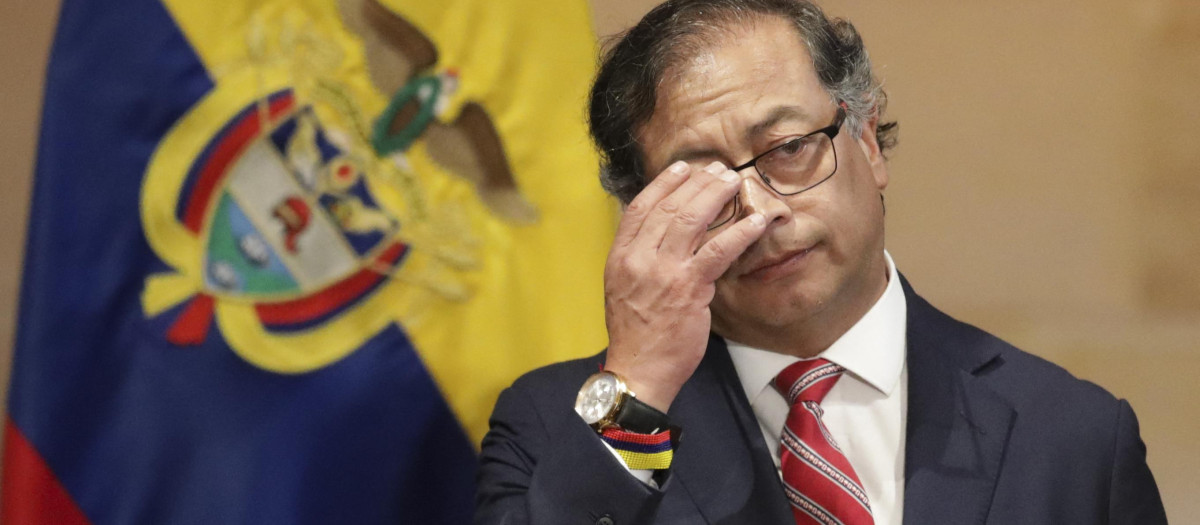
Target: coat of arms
[{"x": 285, "y": 200}]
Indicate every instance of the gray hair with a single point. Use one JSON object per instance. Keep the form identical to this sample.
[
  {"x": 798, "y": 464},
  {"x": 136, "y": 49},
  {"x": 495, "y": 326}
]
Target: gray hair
[{"x": 623, "y": 96}]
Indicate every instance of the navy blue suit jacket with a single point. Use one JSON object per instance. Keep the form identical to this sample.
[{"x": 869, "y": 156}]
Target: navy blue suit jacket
[{"x": 995, "y": 435}]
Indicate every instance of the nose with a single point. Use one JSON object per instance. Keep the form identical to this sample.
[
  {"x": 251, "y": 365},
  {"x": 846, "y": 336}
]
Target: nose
[{"x": 756, "y": 197}]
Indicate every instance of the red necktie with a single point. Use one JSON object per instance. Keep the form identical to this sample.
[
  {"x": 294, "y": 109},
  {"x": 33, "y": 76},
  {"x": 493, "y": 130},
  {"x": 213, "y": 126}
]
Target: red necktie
[{"x": 820, "y": 483}]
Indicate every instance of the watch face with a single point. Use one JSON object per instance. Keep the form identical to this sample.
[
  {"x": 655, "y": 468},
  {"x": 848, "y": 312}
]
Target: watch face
[{"x": 597, "y": 397}]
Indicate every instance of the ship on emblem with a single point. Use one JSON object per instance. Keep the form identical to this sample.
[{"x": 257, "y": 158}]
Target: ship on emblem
[{"x": 287, "y": 220}]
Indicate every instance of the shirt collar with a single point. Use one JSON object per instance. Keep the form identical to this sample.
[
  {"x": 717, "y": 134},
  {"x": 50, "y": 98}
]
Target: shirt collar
[{"x": 873, "y": 349}]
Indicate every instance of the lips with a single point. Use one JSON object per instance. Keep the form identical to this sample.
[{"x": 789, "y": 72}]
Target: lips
[{"x": 775, "y": 266}]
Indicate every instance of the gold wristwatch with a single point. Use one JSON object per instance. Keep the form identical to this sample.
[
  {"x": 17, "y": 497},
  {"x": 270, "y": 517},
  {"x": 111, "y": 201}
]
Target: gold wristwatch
[{"x": 605, "y": 401}]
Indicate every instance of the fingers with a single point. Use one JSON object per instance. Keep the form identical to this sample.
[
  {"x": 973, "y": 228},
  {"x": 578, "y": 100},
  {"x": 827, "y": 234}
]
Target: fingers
[
  {"x": 641, "y": 206},
  {"x": 686, "y": 229},
  {"x": 677, "y": 221},
  {"x": 715, "y": 257}
]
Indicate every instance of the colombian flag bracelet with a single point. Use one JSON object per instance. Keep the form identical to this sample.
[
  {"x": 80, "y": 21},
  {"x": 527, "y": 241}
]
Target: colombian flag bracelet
[{"x": 641, "y": 451}]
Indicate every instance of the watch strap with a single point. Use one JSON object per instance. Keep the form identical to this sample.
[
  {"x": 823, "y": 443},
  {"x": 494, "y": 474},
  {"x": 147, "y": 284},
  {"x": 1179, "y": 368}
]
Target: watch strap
[{"x": 636, "y": 416}]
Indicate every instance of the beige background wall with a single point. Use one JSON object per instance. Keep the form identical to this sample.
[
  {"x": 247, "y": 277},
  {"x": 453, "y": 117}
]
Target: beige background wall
[
  {"x": 25, "y": 32},
  {"x": 1044, "y": 187}
]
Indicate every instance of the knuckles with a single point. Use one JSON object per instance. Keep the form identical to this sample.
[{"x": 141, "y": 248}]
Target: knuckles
[
  {"x": 634, "y": 208},
  {"x": 668, "y": 207},
  {"x": 687, "y": 217},
  {"x": 717, "y": 250},
  {"x": 631, "y": 266}
]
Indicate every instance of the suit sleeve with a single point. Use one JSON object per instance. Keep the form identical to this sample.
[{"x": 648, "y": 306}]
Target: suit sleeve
[
  {"x": 552, "y": 469},
  {"x": 1133, "y": 494}
]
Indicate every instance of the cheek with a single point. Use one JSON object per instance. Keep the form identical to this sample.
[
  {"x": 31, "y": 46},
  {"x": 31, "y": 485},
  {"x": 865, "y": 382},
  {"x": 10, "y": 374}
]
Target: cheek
[
  {"x": 854, "y": 204},
  {"x": 731, "y": 296}
]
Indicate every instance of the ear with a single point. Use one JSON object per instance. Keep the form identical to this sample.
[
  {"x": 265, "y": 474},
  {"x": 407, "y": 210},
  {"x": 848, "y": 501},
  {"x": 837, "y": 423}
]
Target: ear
[{"x": 870, "y": 148}]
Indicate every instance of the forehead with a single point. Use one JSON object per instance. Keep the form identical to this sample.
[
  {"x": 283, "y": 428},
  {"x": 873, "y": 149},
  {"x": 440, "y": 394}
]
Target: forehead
[{"x": 746, "y": 84}]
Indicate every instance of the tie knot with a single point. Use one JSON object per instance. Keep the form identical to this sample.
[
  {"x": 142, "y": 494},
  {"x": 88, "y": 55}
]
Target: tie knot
[{"x": 807, "y": 380}]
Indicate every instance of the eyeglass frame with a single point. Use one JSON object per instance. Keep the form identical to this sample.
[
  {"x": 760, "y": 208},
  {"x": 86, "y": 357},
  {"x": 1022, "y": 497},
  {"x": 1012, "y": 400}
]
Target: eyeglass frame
[{"x": 830, "y": 131}]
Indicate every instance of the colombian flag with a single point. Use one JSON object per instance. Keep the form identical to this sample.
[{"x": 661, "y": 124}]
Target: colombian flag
[{"x": 284, "y": 254}]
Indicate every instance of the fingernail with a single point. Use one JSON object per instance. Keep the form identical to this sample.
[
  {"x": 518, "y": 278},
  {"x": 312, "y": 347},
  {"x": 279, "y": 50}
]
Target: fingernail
[
  {"x": 757, "y": 219},
  {"x": 678, "y": 167},
  {"x": 715, "y": 168},
  {"x": 728, "y": 176}
]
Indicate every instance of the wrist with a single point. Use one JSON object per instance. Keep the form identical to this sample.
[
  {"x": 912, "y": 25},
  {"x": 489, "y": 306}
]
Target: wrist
[
  {"x": 606, "y": 401},
  {"x": 657, "y": 394},
  {"x": 651, "y": 393}
]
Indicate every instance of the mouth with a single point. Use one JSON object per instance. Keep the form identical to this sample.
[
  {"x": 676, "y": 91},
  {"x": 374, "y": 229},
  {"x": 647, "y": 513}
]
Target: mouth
[{"x": 771, "y": 268}]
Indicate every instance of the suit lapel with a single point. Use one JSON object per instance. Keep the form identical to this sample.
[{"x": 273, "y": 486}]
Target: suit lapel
[
  {"x": 957, "y": 427},
  {"x": 955, "y": 440},
  {"x": 722, "y": 462}
]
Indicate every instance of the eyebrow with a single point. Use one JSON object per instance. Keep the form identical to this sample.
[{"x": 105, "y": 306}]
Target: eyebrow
[
  {"x": 777, "y": 115},
  {"x": 753, "y": 131}
]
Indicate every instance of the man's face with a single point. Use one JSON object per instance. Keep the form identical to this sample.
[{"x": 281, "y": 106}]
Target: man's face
[{"x": 820, "y": 264}]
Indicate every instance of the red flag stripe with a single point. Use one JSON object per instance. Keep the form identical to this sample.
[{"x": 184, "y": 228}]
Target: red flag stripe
[{"x": 32, "y": 494}]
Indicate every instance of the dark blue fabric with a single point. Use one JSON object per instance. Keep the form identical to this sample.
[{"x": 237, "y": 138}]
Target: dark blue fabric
[
  {"x": 995, "y": 435},
  {"x": 141, "y": 431}
]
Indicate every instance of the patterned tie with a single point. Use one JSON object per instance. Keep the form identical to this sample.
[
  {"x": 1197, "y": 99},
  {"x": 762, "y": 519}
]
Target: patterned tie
[{"x": 820, "y": 484}]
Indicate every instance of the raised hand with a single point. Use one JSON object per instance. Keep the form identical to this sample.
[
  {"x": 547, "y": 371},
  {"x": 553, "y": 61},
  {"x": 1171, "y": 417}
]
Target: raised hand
[{"x": 660, "y": 277}]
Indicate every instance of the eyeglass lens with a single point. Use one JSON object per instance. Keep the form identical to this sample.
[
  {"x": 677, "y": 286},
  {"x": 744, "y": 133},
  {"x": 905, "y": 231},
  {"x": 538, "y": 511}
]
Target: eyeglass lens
[
  {"x": 789, "y": 168},
  {"x": 798, "y": 164}
]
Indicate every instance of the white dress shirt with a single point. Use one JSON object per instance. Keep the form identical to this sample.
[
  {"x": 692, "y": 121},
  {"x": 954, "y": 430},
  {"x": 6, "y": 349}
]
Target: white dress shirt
[{"x": 865, "y": 411}]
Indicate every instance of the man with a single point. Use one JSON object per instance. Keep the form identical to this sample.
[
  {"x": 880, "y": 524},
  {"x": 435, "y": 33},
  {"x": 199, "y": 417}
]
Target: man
[{"x": 767, "y": 364}]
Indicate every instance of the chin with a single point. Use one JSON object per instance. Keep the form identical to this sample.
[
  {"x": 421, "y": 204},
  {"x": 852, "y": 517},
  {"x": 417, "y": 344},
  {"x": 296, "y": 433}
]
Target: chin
[{"x": 779, "y": 308}]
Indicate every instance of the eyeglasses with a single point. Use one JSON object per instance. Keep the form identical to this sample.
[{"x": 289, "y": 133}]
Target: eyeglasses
[{"x": 795, "y": 166}]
